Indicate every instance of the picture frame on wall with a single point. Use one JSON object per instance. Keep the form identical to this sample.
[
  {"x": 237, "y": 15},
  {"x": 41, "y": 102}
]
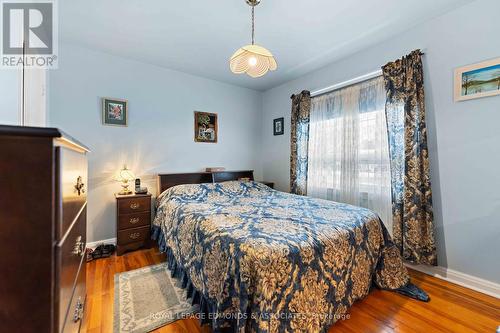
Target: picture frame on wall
[
  {"x": 205, "y": 127},
  {"x": 279, "y": 126},
  {"x": 114, "y": 111},
  {"x": 477, "y": 80}
]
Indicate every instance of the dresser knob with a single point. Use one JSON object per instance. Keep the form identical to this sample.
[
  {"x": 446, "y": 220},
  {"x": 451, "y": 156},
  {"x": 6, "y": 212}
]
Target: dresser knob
[
  {"x": 135, "y": 235},
  {"x": 134, "y": 205},
  {"x": 79, "y": 247},
  {"x": 78, "y": 313},
  {"x": 79, "y": 185},
  {"x": 134, "y": 220}
]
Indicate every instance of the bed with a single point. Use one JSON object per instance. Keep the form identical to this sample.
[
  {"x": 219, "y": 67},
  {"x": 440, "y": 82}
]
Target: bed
[{"x": 260, "y": 260}]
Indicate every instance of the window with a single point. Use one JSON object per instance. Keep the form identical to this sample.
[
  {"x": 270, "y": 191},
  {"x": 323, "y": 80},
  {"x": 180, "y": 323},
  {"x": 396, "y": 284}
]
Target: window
[{"x": 348, "y": 151}]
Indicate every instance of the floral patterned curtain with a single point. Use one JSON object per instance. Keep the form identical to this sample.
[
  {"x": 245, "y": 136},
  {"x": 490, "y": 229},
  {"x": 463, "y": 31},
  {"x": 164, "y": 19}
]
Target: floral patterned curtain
[
  {"x": 413, "y": 225},
  {"x": 299, "y": 140}
]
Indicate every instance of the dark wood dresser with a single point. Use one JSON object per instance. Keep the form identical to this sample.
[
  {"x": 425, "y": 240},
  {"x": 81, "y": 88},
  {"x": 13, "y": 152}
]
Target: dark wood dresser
[
  {"x": 133, "y": 222},
  {"x": 43, "y": 221}
]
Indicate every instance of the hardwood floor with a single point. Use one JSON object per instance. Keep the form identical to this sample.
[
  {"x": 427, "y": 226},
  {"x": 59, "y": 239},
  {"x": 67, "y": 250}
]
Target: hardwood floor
[{"x": 452, "y": 308}]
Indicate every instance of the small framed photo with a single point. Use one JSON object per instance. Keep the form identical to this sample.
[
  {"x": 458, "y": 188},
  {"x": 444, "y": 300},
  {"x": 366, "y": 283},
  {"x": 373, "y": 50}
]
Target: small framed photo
[
  {"x": 205, "y": 127},
  {"x": 114, "y": 111},
  {"x": 477, "y": 80},
  {"x": 279, "y": 126}
]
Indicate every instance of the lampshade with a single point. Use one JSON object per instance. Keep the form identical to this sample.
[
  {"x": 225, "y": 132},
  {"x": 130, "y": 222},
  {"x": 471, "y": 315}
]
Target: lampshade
[
  {"x": 254, "y": 60},
  {"x": 125, "y": 175}
]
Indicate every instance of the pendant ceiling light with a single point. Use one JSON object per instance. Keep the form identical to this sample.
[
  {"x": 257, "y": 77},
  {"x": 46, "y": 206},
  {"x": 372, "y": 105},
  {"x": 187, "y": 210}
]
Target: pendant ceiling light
[{"x": 252, "y": 59}]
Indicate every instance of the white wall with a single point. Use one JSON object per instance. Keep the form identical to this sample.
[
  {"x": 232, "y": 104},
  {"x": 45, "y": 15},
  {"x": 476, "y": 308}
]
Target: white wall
[
  {"x": 10, "y": 92},
  {"x": 159, "y": 137},
  {"x": 464, "y": 138}
]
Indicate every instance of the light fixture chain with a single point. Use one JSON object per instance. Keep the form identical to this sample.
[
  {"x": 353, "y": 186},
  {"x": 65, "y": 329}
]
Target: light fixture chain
[{"x": 253, "y": 25}]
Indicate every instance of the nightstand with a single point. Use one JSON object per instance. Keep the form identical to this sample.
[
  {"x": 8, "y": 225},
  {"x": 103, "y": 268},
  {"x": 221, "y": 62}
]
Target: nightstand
[
  {"x": 270, "y": 184},
  {"x": 133, "y": 222}
]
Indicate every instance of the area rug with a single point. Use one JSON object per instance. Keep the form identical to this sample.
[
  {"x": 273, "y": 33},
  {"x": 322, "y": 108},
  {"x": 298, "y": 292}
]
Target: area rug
[{"x": 148, "y": 298}]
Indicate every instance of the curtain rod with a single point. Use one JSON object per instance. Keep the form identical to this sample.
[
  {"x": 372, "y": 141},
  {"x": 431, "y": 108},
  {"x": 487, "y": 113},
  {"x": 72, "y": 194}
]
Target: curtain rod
[
  {"x": 350, "y": 82},
  {"x": 347, "y": 83}
]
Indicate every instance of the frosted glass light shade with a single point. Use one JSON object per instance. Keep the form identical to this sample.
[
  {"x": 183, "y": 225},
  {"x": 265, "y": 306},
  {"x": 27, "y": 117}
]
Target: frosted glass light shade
[
  {"x": 126, "y": 175},
  {"x": 253, "y": 60}
]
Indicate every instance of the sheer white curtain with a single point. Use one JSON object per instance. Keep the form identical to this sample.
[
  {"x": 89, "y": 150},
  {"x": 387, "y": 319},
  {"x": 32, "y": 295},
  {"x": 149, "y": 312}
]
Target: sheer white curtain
[{"x": 348, "y": 157}]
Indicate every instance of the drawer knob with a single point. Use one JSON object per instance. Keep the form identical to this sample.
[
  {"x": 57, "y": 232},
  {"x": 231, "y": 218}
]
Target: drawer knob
[
  {"x": 134, "y": 220},
  {"x": 79, "y": 247},
  {"x": 135, "y": 235},
  {"x": 78, "y": 313},
  {"x": 134, "y": 205},
  {"x": 79, "y": 185}
]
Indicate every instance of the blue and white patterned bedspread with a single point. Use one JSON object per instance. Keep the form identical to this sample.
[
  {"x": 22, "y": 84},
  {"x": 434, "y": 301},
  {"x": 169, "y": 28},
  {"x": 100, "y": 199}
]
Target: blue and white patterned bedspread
[{"x": 269, "y": 261}]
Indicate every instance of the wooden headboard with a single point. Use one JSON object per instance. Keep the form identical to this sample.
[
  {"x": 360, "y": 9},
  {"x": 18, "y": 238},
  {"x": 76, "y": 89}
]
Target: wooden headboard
[{"x": 168, "y": 180}]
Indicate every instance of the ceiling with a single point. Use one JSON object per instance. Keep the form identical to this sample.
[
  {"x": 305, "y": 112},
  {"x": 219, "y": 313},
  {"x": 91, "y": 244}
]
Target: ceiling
[{"x": 198, "y": 36}]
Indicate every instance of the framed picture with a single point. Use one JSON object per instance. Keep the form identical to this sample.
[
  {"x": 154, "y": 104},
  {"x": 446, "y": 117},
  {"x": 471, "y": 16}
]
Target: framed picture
[
  {"x": 477, "y": 80},
  {"x": 205, "y": 127},
  {"x": 278, "y": 126},
  {"x": 114, "y": 111}
]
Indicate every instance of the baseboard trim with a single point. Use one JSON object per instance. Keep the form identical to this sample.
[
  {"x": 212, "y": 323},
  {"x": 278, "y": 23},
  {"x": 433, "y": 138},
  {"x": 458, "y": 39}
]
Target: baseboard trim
[
  {"x": 462, "y": 279},
  {"x": 93, "y": 245}
]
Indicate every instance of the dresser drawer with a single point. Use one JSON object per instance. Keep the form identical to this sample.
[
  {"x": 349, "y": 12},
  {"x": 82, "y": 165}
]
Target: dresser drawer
[
  {"x": 69, "y": 254},
  {"x": 72, "y": 178},
  {"x": 133, "y": 235},
  {"x": 127, "y": 221},
  {"x": 132, "y": 205},
  {"x": 74, "y": 316}
]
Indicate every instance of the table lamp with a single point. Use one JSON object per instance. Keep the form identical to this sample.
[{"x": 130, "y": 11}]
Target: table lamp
[{"x": 124, "y": 176}]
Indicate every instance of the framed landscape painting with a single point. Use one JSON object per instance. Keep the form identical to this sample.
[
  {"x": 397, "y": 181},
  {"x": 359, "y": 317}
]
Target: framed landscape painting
[
  {"x": 205, "y": 127},
  {"x": 114, "y": 111},
  {"x": 477, "y": 80}
]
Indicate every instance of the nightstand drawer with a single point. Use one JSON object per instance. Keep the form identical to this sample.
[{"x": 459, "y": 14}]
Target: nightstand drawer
[
  {"x": 135, "y": 204},
  {"x": 126, "y": 221},
  {"x": 133, "y": 222},
  {"x": 133, "y": 235}
]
